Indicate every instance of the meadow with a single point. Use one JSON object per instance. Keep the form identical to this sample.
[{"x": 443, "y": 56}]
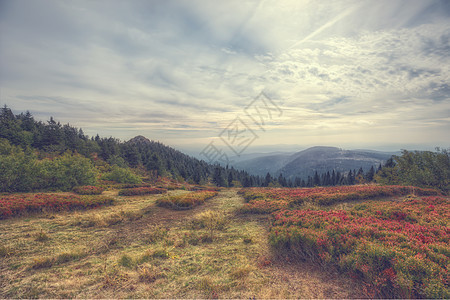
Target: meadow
[{"x": 183, "y": 241}]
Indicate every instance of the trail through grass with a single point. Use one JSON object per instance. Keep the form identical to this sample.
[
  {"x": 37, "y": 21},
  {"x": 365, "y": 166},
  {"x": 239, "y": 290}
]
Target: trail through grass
[{"x": 135, "y": 249}]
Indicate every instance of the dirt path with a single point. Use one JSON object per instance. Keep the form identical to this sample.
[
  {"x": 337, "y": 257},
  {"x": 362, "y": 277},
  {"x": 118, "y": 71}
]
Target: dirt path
[
  {"x": 161, "y": 217},
  {"x": 236, "y": 263},
  {"x": 286, "y": 278}
]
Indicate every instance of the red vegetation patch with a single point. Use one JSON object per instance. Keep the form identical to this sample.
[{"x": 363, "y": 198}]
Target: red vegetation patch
[
  {"x": 263, "y": 206},
  {"x": 20, "y": 204},
  {"x": 88, "y": 190},
  {"x": 266, "y": 200},
  {"x": 141, "y": 191},
  {"x": 399, "y": 249},
  {"x": 186, "y": 201}
]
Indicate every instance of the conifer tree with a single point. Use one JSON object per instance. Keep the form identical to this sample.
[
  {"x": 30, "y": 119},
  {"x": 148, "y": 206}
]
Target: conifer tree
[
  {"x": 268, "y": 179},
  {"x": 316, "y": 179},
  {"x": 369, "y": 175}
]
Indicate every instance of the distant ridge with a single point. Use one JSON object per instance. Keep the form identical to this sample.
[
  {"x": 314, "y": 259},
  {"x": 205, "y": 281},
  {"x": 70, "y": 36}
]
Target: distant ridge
[{"x": 319, "y": 158}]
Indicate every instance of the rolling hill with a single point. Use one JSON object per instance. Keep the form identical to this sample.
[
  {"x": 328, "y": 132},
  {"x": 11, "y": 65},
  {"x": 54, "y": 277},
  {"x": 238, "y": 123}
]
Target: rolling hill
[{"x": 305, "y": 163}]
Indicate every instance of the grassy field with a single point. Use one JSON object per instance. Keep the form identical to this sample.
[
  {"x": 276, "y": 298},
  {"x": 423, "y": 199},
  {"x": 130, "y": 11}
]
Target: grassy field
[{"x": 136, "y": 249}]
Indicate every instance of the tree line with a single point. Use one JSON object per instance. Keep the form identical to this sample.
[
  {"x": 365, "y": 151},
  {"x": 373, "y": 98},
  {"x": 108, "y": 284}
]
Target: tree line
[
  {"x": 30, "y": 148},
  {"x": 25, "y": 142},
  {"x": 418, "y": 168}
]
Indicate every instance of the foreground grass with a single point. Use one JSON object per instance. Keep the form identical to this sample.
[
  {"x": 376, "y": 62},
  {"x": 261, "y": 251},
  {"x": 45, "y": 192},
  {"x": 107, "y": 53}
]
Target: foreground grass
[{"x": 135, "y": 249}]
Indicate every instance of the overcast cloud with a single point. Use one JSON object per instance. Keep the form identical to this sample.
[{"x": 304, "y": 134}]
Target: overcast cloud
[{"x": 345, "y": 73}]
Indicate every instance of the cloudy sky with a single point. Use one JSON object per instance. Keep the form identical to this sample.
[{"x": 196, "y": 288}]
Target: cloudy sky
[{"x": 352, "y": 74}]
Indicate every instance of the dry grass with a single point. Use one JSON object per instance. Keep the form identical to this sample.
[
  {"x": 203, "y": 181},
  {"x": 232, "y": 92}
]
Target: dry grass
[{"x": 137, "y": 250}]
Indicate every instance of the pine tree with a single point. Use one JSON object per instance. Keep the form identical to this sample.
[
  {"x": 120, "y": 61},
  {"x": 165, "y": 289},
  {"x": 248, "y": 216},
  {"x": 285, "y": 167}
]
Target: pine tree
[
  {"x": 230, "y": 179},
  {"x": 369, "y": 175},
  {"x": 219, "y": 177},
  {"x": 327, "y": 179},
  {"x": 350, "y": 178},
  {"x": 316, "y": 179},
  {"x": 379, "y": 168},
  {"x": 268, "y": 179},
  {"x": 281, "y": 180},
  {"x": 333, "y": 178}
]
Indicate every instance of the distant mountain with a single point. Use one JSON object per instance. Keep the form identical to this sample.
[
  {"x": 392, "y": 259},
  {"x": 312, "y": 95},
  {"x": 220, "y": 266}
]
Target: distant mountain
[
  {"x": 261, "y": 165},
  {"x": 250, "y": 156},
  {"x": 139, "y": 140},
  {"x": 305, "y": 163}
]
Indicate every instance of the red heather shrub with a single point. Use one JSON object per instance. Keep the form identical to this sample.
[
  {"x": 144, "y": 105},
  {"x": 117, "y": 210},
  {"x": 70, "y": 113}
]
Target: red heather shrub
[
  {"x": 263, "y": 206},
  {"x": 186, "y": 201},
  {"x": 327, "y": 195},
  {"x": 133, "y": 185},
  {"x": 20, "y": 204},
  {"x": 399, "y": 249},
  {"x": 141, "y": 191},
  {"x": 88, "y": 190}
]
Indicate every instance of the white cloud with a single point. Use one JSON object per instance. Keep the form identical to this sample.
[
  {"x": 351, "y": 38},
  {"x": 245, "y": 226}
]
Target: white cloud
[{"x": 179, "y": 71}]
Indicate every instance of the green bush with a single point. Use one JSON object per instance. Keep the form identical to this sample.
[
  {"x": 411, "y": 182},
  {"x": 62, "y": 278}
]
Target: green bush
[
  {"x": 121, "y": 175},
  {"x": 66, "y": 172},
  {"x": 418, "y": 168},
  {"x": 21, "y": 171}
]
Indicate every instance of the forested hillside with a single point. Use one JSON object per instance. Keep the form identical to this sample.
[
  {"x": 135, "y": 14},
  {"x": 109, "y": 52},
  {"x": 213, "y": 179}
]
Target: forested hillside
[
  {"x": 39, "y": 156},
  {"x": 314, "y": 159},
  {"x": 31, "y": 148}
]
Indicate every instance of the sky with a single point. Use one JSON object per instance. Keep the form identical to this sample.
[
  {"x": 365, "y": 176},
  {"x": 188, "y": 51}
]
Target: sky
[{"x": 238, "y": 76}]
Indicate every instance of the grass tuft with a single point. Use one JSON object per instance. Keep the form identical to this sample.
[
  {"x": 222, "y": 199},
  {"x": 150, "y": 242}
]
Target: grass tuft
[
  {"x": 5, "y": 251},
  {"x": 147, "y": 273},
  {"x": 126, "y": 261},
  {"x": 69, "y": 256},
  {"x": 211, "y": 221},
  {"x": 42, "y": 262},
  {"x": 157, "y": 233},
  {"x": 113, "y": 278},
  {"x": 241, "y": 272},
  {"x": 161, "y": 253},
  {"x": 41, "y": 236}
]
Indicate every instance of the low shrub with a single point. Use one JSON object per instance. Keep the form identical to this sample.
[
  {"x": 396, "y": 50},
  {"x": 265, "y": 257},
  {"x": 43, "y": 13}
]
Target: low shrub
[
  {"x": 185, "y": 201},
  {"x": 20, "y": 204},
  {"x": 211, "y": 221},
  {"x": 126, "y": 261},
  {"x": 139, "y": 191},
  {"x": 268, "y": 200},
  {"x": 400, "y": 249},
  {"x": 122, "y": 175},
  {"x": 88, "y": 190},
  {"x": 263, "y": 206}
]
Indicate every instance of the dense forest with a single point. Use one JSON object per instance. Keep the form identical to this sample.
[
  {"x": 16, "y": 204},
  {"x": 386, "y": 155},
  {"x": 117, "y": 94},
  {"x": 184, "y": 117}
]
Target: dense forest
[{"x": 39, "y": 156}]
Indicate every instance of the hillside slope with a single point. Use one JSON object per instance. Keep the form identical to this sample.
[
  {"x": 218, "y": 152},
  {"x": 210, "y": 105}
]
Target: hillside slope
[{"x": 321, "y": 159}]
